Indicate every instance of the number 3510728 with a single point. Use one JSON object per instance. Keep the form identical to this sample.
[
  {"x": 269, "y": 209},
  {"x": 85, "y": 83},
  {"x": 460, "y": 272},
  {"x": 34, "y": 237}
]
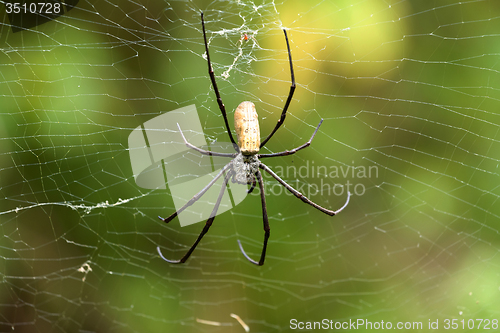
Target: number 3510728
[
  {"x": 33, "y": 8},
  {"x": 484, "y": 324}
]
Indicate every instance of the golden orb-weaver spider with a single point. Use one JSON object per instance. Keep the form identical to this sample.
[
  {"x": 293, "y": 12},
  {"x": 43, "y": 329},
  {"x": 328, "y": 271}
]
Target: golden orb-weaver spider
[{"x": 245, "y": 165}]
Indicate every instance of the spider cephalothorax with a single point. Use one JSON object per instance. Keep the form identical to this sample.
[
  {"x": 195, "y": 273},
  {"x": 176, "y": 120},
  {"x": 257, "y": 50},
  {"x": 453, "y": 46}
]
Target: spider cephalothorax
[{"x": 245, "y": 166}]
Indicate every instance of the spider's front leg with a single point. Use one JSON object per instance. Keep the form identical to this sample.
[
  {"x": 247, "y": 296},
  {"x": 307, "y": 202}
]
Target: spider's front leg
[
  {"x": 250, "y": 190},
  {"x": 207, "y": 226},
  {"x": 267, "y": 229},
  {"x": 197, "y": 195}
]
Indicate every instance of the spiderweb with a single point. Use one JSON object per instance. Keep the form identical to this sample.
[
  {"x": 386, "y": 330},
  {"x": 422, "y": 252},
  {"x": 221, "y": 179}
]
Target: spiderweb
[{"x": 408, "y": 91}]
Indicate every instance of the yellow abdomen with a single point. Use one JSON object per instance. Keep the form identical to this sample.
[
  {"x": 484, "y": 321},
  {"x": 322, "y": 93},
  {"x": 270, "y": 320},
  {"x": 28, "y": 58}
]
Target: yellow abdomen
[{"x": 246, "y": 124}]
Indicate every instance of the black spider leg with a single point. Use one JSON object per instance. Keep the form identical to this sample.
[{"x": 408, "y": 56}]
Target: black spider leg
[
  {"x": 267, "y": 229},
  {"x": 197, "y": 195},
  {"x": 202, "y": 151},
  {"x": 301, "y": 196},
  {"x": 250, "y": 190},
  {"x": 290, "y": 95},
  {"x": 216, "y": 89},
  {"x": 293, "y": 151},
  {"x": 205, "y": 228}
]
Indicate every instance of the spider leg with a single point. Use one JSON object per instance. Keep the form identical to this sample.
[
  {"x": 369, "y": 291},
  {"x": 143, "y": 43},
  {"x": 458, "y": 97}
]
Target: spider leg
[
  {"x": 288, "y": 100},
  {"x": 255, "y": 40},
  {"x": 293, "y": 151},
  {"x": 197, "y": 195},
  {"x": 216, "y": 89},
  {"x": 266, "y": 225},
  {"x": 250, "y": 190},
  {"x": 202, "y": 151},
  {"x": 205, "y": 228},
  {"x": 301, "y": 196}
]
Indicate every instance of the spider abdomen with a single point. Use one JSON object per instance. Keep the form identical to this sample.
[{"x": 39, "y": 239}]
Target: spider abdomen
[{"x": 246, "y": 124}]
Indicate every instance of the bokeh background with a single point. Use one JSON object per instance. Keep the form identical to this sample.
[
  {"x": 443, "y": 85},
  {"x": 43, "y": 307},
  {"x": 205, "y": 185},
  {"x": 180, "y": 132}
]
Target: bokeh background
[{"x": 408, "y": 87}]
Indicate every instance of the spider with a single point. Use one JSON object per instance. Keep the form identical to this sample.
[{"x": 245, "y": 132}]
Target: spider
[
  {"x": 245, "y": 164},
  {"x": 246, "y": 37}
]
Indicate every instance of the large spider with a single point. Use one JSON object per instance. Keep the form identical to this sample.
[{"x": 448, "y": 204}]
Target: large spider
[{"x": 245, "y": 165}]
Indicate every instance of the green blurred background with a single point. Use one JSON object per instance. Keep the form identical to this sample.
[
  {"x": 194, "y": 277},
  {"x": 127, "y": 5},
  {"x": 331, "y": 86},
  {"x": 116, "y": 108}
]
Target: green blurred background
[{"x": 408, "y": 87}]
